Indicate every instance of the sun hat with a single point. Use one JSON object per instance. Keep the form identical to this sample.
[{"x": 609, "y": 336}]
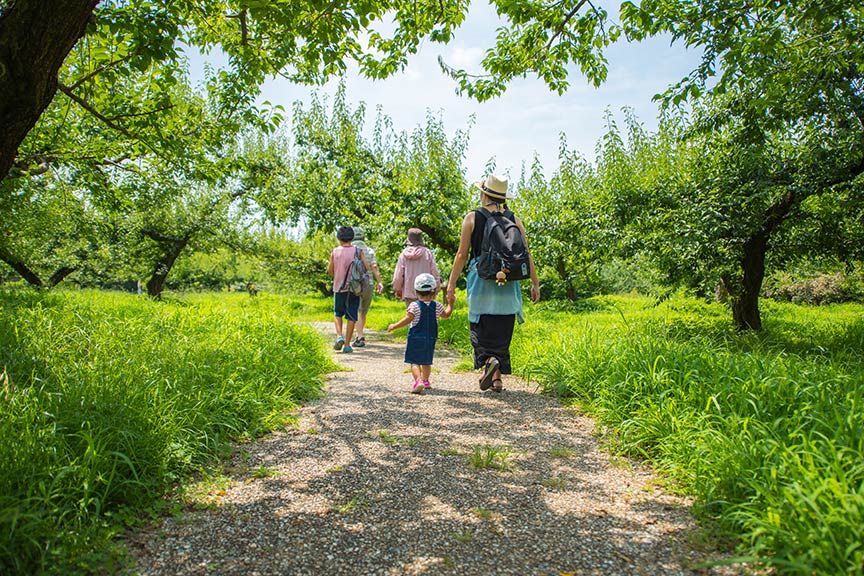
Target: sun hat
[
  {"x": 359, "y": 234},
  {"x": 424, "y": 282},
  {"x": 494, "y": 186},
  {"x": 345, "y": 234},
  {"x": 415, "y": 237}
]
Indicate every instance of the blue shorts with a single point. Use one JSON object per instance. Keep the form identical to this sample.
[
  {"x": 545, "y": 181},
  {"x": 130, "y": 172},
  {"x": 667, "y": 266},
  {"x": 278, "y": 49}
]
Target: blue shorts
[{"x": 346, "y": 304}]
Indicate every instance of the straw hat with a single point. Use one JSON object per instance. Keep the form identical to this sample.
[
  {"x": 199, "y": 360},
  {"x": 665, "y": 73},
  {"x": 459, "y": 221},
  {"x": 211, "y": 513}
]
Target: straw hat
[{"x": 493, "y": 186}]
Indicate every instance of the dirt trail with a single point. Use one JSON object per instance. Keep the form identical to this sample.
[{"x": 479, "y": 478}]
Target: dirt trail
[{"x": 378, "y": 481}]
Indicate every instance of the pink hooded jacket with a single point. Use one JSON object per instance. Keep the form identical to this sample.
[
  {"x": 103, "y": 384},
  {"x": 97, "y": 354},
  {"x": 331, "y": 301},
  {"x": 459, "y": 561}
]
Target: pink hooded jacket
[{"x": 413, "y": 261}]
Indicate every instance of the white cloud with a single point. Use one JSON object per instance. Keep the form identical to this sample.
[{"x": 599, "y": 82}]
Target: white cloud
[{"x": 464, "y": 57}]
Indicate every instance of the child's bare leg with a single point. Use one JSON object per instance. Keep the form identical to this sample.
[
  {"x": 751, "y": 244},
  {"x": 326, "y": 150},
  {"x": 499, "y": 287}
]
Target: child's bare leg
[
  {"x": 337, "y": 321},
  {"x": 416, "y": 372},
  {"x": 426, "y": 371}
]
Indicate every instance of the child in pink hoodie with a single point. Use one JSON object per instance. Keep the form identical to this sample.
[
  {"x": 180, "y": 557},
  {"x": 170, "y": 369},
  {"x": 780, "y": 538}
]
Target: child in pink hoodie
[{"x": 414, "y": 260}]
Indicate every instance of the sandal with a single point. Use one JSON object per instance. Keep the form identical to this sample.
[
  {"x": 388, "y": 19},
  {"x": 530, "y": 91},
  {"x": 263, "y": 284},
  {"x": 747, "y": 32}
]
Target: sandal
[
  {"x": 499, "y": 387},
  {"x": 489, "y": 373}
]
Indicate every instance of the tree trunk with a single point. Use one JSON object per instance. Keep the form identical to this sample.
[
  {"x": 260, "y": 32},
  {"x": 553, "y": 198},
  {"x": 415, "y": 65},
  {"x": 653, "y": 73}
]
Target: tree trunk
[
  {"x": 325, "y": 289},
  {"x": 436, "y": 238},
  {"x": 164, "y": 265},
  {"x": 60, "y": 274},
  {"x": 35, "y": 38},
  {"x": 21, "y": 268},
  {"x": 563, "y": 274},
  {"x": 745, "y": 306}
]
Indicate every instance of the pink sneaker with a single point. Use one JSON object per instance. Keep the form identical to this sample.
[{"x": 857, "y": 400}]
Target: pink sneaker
[
  {"x": 426, "y": 383},
  {"x": 417, "y": 388}
]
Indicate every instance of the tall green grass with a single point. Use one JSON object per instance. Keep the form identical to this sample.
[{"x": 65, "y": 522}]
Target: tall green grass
[
  {"x": 108, "y": 399},
  {"x": 766, "y": 430}
]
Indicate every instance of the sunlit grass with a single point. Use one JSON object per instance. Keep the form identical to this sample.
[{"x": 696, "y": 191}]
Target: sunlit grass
[
  {"x": 111, "y": 398},
  {"x": 765, "y": 429},
  {"x": 494, "y": 457}
]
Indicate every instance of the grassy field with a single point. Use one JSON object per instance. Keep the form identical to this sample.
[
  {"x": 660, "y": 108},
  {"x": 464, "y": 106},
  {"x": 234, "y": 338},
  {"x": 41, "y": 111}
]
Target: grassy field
[
  {"x": 111, "y": 399},
  {"x": 766, "y": 430}
]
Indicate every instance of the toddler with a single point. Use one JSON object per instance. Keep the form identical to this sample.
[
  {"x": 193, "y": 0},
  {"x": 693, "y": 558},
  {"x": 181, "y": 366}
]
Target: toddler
[{"x": 422, "y": 315}]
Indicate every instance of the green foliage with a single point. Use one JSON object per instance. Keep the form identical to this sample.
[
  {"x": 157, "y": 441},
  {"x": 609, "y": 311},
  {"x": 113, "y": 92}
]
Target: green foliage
[
  {"x": 769, "y": 53},
  {"x": 567, "y": 230},
  {"x": 109, "y": 398},
  {"x": 297, "y": 265},
  {"x": 389, "y": 184},
  {"x": 494, "y": 457},
  {"x": 814, "y": 286},
  {"x": 540, "y": 38},
  {"x": 766, "y": 430}
]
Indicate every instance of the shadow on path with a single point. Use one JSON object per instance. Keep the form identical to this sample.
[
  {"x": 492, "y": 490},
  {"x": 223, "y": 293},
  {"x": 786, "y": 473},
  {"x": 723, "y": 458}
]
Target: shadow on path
[{"x": 375, "y": 480}]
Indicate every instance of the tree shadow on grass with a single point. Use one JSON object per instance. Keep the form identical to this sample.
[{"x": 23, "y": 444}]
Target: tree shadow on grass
[{"x": 379, "y": 481}]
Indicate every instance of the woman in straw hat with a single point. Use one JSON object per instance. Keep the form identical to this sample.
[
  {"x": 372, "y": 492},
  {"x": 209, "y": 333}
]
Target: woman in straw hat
[{"x": 493, "y": 309}]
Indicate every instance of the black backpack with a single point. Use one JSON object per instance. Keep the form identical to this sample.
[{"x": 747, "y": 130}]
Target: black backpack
[{"x": 503, "y": 248}]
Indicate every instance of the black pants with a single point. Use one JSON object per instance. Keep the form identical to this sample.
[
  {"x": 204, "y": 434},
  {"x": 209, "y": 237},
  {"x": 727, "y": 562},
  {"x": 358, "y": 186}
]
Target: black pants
[{"x": 491, "y": 337}]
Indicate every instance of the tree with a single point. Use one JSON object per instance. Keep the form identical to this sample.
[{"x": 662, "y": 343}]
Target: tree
[
  {"x": 564, "y": 218},
  {"x": 783, "y": 123},
  {"x": 425, "y": 187},
  {"x": 177, "y": 212},
  {"x": 713, "y": 206},
  {"x": 395, "y": 182},
  {"x": 305, "y": 41},
  {"x": 44, "y": 255}
]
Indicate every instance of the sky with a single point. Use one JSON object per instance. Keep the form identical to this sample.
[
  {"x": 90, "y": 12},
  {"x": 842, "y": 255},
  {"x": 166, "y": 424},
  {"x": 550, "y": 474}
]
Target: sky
[{"x": 528, "y": 118}]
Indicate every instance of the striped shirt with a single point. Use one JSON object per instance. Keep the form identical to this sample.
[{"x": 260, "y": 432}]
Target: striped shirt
[{"x": 414, "y": 310}]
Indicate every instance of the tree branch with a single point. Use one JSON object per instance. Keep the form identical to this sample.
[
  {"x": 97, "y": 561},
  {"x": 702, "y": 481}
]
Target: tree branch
[
  {"x": 20, "y": 267},
  {"x": 323, "y": 12},
  {"x": 107, "y": 121},
  {"x": 99, "y": 69},
  {"x": 147, "y": 113},
  {"x": 60, "y": 274},
  {"x": 563, "y": 25}
]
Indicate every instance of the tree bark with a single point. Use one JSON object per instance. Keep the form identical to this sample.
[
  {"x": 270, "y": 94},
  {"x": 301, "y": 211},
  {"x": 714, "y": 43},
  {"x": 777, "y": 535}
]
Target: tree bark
[
  {"x": 563, "y": 273},
  {"x": 35, "y": 38},
  {"x": 21, "y": 268},
  {"x": 325, "y": 289},
  {"x": 160, "y": 271},
  {"x": 60, "y": 274},
  {"x": 745, "y": 304},
  {"x": 745, "y": 307}
]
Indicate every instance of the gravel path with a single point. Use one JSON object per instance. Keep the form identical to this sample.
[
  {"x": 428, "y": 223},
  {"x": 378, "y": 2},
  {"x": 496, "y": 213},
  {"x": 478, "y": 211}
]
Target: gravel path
[{"x": 378, "y": 481}]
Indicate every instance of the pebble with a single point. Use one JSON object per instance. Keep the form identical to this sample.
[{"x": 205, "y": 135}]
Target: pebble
[{"x": 362, "y": 502}]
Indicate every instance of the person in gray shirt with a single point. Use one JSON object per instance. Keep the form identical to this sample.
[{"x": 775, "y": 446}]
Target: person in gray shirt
[{"x": 368, "y": 290}]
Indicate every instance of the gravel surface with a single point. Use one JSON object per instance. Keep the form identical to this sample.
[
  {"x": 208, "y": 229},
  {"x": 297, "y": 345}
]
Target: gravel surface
[{"x": 375, "y": 480}]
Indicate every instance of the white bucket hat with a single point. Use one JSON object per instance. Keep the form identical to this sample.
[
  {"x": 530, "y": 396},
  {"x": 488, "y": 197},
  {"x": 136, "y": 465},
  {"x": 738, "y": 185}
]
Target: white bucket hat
[{"x": 494, "y": 186}]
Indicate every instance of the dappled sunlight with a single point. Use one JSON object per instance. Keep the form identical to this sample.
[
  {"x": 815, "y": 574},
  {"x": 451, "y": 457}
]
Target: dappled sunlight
[{"x": 376, "y": 480}]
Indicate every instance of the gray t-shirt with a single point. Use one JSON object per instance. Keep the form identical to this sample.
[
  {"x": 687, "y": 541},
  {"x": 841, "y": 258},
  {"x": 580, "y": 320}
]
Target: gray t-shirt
[{"x": 369, "y": 252}]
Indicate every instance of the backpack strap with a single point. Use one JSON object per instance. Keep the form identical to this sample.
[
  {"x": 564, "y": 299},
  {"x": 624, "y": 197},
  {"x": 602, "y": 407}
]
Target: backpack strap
[{"x": 477, "y": 235}]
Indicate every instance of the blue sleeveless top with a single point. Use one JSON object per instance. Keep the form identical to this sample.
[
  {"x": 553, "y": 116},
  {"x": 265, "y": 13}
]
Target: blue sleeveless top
[{"x": 486, "y": 297}]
